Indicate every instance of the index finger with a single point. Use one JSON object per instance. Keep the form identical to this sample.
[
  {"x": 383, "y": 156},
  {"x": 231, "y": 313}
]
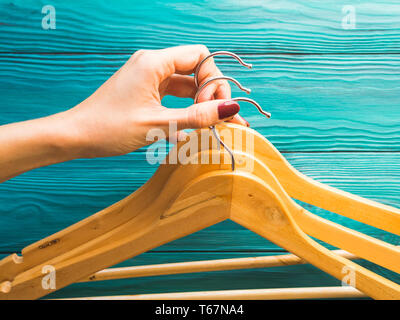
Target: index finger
[{"x": 184, "y": 60}]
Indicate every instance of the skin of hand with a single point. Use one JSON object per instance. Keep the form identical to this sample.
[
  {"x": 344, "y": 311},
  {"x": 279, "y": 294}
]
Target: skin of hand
[{"x": 116, "y": 118}]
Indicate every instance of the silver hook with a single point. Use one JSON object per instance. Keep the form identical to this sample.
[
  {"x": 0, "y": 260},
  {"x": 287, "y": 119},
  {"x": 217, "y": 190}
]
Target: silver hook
[
  {"x": 247, "y": 90},
  {"x": 214, "y": 131},
  {"x": 196, "y": 80},
  {"x": 265, "y": 113},
  {"x": 218, "y": 53}
]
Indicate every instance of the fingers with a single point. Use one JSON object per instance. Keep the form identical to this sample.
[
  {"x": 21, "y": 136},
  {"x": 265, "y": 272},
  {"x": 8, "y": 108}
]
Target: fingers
[
  {"x": 239, "y": 120},
  {"x": 184, "y": 60},
  {"x": 171, "y": 67},
  {"x": 180, "y": 86},
  {"x": 181, "y": 60},
  {"x": 184, "y": 87},
  {"x": 204, "y": 114},
  {"x": 178, "y": 60},
  {"x": 223, "y": 91},
  {"x": 200, "y": 115},
  {"x": 219, "y": 89}
]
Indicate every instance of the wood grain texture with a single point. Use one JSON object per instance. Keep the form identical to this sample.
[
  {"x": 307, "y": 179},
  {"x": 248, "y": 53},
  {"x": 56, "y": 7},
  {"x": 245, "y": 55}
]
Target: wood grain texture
[{"x": 252, "y": 26}]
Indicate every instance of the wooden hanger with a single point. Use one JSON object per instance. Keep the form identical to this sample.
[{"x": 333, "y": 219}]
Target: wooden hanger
[
  {"x": 176, "y": 201},
  {"x": 305, "y": 189},
  {"x": 363, "y": 246},
  {"x": 369, "y": 248},
  {"x": 366, "y": 247}
]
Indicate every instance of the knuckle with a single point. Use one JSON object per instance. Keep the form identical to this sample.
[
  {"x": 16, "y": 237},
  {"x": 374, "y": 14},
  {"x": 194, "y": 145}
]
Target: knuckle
[
  {"x": 141, "y": 56},
  {"x": 143, "y": 60},
  {"x": 203, "y": 49},
  {"x": 138, "y": 53},
  {"x": 197, "y": 118}
]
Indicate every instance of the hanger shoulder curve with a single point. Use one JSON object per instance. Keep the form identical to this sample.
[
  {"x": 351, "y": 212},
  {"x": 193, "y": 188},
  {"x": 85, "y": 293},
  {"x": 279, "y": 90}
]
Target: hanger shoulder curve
[
  {"x": 363, "y": 246},
  {"x": 258, "y": 208},
  {"x": 164, "y": 186},
  {"x": 202, "y": 203},
  {"x": 305, "y": 189}
]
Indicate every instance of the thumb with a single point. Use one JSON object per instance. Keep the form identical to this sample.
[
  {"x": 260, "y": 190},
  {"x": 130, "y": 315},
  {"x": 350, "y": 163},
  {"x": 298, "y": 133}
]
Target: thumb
[{"x": 208, "y": 113}]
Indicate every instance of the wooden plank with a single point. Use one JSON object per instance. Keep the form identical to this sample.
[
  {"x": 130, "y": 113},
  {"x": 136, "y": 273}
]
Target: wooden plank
[
  {"x": 318, "y": 103},
  {"x": 256, "y": 26},
  {"x": 49, "y": 199}
]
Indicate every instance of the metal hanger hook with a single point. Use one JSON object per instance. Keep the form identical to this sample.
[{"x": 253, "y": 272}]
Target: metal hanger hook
[
  {"x": 208, "y": 81},
  {"x": 196, "y": 97},
  {"x": 217, "y": 136},
  {"x": 218, "y": 53},
  {"x": 265, "y": 113},
  {"x": 214, "y": 131}
]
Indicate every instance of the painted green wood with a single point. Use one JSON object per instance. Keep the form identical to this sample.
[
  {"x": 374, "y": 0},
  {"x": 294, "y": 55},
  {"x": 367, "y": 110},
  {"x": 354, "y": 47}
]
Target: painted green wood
[
  {"x": 245, "y": 26},
  {"x": 329, "y": 90},
  {"x": 318, "y": 102}
]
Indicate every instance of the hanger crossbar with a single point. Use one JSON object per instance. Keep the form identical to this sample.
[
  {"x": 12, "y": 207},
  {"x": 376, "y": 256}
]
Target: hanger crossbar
[
  {"x": 203, "y": 266},
  {"x": 251, "y": 294}
]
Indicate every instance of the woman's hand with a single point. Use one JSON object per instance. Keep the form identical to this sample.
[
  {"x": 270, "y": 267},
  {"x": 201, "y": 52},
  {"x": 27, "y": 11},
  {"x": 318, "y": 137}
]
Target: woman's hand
[{"x": 116, "y": 118}]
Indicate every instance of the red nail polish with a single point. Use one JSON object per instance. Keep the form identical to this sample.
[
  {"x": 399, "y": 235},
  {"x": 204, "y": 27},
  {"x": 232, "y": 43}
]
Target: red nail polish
[{"x": 227, "y": 109}]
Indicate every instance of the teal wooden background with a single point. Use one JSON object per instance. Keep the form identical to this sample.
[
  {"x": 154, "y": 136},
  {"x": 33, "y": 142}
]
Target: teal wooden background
[{"x": 333, "y": 93}]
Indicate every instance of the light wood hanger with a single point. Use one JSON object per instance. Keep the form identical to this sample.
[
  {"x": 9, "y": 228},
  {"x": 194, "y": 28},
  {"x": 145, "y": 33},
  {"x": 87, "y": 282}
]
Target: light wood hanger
[
  {"x": 366, "y": 247},
  {"x": 177, "y": 201},
  {"x": 305, "y": 189}
]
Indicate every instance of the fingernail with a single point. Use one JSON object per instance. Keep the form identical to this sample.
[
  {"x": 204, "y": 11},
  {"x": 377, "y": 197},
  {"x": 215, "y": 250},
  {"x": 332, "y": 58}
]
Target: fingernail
[{"x": 227, "y": 109}]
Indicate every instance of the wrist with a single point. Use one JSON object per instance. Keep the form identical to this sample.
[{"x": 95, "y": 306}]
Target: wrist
[
  {"x": 37, "y": 143},
  {"x": 65, "y": 141}
]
